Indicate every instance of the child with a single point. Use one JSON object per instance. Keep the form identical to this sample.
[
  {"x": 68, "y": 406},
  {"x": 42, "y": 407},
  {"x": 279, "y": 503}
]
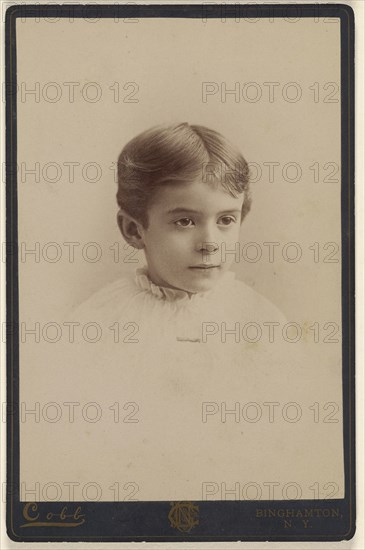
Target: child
[{"x": 183, "y": 192}]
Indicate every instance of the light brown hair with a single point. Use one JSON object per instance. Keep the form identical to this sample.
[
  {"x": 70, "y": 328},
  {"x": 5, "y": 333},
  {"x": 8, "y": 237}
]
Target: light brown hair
[{"x": 178, "y": 154}]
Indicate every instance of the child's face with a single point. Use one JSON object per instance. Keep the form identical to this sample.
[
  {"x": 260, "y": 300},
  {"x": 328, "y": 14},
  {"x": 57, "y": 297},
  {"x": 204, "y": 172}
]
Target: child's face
[{"x": 192, "y": 227}]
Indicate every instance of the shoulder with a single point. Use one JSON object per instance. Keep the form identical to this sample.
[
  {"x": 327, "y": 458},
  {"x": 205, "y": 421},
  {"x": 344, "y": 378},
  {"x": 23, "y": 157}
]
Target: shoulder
[
  {"x": 108, "y": 302},
  {"x": 255, "y": 304}
]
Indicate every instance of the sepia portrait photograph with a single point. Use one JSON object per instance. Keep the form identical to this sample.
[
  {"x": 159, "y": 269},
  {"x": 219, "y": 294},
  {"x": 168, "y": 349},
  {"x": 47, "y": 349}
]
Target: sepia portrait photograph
[{"x": 180, "y": 245}]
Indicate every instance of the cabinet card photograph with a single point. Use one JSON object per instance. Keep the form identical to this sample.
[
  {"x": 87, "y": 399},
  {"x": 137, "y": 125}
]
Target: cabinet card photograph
[{"x": 180, "y": 272}]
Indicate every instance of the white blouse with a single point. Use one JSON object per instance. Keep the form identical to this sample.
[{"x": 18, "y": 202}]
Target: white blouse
[
  {"x": 184, "y": 384},
  {"x": 230, "y": 313}
]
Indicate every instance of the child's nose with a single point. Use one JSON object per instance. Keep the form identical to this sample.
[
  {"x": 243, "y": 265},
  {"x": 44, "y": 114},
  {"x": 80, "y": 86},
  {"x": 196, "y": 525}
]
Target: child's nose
[
  {"x": 207, "y": 240},
  {"x": 210, "y": 247}
]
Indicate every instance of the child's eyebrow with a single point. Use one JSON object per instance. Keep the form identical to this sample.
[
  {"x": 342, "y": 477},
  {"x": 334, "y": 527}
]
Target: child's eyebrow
[
  {"x": 191, "y": 211},
  {"x": 183, "y": 210}
]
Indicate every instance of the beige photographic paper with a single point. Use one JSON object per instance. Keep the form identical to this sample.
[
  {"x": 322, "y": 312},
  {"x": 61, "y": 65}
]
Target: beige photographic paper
[{"x": 182, "y": 422}]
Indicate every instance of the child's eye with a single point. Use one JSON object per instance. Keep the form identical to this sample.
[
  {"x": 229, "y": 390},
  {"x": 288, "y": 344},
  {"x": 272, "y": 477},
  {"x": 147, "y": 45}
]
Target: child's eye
[
  {"x": 184, "y": 222},
  {"x": 227, "y": 220}
]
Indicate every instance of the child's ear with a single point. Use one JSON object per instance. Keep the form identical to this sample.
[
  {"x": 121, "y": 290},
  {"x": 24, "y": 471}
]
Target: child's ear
[{"x": 130, "y": 229}]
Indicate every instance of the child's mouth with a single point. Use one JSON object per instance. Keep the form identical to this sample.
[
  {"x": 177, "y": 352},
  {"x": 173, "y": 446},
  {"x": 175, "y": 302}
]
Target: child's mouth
[{"x": 204, "y": 267}]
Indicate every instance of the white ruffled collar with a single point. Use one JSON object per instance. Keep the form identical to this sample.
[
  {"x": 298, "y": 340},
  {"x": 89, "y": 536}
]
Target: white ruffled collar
[{"x": 144, "y": 282}]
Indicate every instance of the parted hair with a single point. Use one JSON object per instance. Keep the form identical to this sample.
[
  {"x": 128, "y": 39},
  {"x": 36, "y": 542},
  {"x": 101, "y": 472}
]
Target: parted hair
[{"x": 177, "y": 154}]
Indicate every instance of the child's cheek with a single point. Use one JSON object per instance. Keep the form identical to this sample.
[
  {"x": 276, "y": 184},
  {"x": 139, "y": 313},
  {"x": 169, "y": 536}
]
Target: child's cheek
[
  {"x": 180, "y": 237},
  {"x": 233, "y": 234},
  {"x": 167, "y": 245},
  {"x": 181, "y": 244}
]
